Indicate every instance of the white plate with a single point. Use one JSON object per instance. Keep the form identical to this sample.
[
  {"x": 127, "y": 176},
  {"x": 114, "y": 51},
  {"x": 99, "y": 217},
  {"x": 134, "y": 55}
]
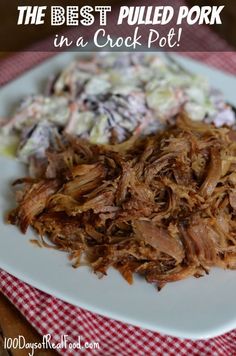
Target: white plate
[{"x": 193, "y": 308}]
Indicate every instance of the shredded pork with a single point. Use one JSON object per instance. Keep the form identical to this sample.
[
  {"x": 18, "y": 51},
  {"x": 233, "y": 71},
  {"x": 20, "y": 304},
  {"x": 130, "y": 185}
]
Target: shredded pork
[{"x": 163, "y": 206}]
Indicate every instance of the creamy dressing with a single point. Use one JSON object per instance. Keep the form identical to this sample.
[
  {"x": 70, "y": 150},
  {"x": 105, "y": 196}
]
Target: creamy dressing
[{"x": 107, "y": 98}]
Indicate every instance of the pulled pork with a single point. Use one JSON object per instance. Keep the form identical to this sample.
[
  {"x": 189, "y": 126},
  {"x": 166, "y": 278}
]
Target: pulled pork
[{"x": 163, "y": 206}]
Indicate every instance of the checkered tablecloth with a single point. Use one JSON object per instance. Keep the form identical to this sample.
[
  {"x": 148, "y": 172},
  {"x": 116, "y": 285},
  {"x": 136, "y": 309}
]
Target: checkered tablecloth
[{"x": 50, "y": 315}]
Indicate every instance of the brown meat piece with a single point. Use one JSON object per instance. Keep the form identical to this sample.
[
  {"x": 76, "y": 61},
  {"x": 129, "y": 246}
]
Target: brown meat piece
[{"x": 162, "y": 206}]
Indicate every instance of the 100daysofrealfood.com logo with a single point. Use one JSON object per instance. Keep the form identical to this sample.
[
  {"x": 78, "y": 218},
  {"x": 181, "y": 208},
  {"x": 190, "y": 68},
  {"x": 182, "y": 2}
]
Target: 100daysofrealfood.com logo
[{"x": 20, "y": 343}]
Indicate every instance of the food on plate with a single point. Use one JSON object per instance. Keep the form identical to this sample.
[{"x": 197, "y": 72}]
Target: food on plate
[
  {"x": 162, "y": 206},
  {"x": 107, "y": 99}
]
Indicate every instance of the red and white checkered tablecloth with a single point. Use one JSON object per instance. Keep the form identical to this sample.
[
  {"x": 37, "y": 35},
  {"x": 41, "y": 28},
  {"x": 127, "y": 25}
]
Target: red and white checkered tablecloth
[{"x": 50, "y": 315}]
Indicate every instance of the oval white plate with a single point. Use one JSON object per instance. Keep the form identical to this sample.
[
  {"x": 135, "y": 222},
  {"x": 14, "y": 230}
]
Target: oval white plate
[{"x": 194, "y": 308}]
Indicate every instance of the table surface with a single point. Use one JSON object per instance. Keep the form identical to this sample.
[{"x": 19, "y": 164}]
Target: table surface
[{"x": 13, "y": 324}]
